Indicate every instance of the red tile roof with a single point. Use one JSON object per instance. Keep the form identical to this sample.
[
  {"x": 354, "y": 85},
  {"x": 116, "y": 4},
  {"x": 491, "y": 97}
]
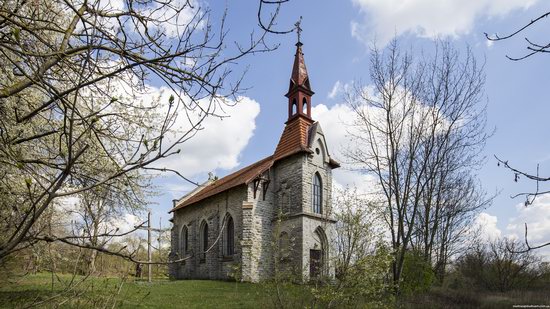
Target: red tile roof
[
  {"x": 242, "y": 176},
  {"x": 294, "y": 138}
]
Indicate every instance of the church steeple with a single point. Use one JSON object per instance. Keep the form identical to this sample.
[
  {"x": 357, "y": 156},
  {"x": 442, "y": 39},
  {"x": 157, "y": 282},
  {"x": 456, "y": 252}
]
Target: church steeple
[
  {"x": 299, "y": 91},
  {"x": 295, "y": 135}
]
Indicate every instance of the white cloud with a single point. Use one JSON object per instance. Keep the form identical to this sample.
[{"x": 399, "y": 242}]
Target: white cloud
[
  {"x": 335, "y": 122},
  {"x": 174, "y": 17},
  {"x": 426, "y": 18},
  {"x": 537, "y": 217},
  {"x": 219, "y": 144},
  {"x": 124, "y": 223},
  {"x": 220, "y": 137},
  {"x": 485, "y": 226},
  {"x": 336, "y": 89}
]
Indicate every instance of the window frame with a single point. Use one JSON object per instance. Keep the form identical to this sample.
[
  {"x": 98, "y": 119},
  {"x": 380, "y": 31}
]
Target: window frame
[
  {"x": 317, "y": 194},
  {"x": 229, "y": 230},
  {"x": 294, "y": 107},
  {"x": 203, "y": 240},
  {"x": 184, "y": 240}
]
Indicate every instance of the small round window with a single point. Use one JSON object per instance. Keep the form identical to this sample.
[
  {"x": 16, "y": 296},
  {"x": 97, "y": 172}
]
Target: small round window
[{"x": 317, "y": 151}]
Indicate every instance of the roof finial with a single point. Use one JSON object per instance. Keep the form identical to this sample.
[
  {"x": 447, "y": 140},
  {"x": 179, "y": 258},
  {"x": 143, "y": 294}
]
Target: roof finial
[{"x": 298, "y": 29}]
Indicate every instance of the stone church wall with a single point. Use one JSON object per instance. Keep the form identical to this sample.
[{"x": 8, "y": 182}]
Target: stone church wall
[
  {"x": 260, "y": 220},
  {"x": 257, "y": 262},
  {"x": 213, "y": 210},
  {"x": 317, "y": 162}
]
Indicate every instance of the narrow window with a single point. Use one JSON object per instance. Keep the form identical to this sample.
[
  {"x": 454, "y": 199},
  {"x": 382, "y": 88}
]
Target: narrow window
[
  {"x": 317, "y": 194},
  {"x": 294, "y": 106},
  {"x": 203, "y": 240},
  {"x": 230, "y": 237},
  {"x": 184, "y": 241},
  {"x": 304, "y": 106}
]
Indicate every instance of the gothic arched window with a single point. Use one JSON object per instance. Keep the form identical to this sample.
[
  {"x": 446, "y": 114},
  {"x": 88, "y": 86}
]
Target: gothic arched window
[
  {"x": 184, "y": 241},
  {"x": 304, "y": 106},
  {"x": 203, "y": 240},
  {"x": 318, "y": 255},
  {"x": 317, "y": 194},
  {"x": 294, "y": 106},
  {"x": 229, "y": 248}
]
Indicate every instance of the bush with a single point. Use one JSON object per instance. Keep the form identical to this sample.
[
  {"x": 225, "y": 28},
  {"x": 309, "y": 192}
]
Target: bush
[
  {"x": 500, "y": 266},
  {"x": 417, "y": 274}
]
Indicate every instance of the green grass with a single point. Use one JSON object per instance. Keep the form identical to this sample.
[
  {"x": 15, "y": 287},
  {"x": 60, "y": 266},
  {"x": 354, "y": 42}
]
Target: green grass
[
  {"x": 449, "y": 298},
  {"x": 119, "y": 293},
  {"x": 74, "y": 292}
]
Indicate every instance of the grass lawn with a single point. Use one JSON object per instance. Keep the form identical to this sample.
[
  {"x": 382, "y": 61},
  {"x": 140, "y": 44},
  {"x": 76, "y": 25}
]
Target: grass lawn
[
  {"x": 68, "y": 292},
  {"x": 114, "y": 292}
]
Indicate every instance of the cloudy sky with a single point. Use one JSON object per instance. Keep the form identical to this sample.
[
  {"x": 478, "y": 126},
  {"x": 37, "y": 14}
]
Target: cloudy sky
[{"x": 336, "y": 37}]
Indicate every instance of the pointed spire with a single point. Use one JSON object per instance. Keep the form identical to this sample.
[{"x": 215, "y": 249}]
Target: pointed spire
[
  {"x": 299, "y": 90},
  {"x": 299, "y": 75},
  {"x": 295, "y": 135}
]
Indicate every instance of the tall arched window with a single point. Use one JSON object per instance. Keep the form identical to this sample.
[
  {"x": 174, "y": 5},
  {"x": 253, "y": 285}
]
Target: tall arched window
[
  {"x": 317, "y": 194},
  {"x": 203, "y": 240},
  {"x": 304, "y": 106},
  {"x": 229, "y": 248},
  {"x": 294, "y": 106},
  {"x": 184, "y": 241}
]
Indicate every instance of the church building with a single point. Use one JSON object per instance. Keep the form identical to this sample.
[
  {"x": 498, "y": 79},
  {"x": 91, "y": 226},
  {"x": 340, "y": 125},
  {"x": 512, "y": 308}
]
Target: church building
[{"x": 270, "y": 216}]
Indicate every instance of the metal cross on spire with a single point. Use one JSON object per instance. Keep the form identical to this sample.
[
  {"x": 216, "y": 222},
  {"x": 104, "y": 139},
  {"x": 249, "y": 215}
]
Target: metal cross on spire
[{"x": 298, "y": 28}]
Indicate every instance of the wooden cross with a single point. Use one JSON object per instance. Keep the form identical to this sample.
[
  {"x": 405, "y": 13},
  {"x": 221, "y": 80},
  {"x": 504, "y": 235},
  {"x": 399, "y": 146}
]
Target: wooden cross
[
  {"x": 150, "y": 229},
  {"x": 298, "y": 28}
]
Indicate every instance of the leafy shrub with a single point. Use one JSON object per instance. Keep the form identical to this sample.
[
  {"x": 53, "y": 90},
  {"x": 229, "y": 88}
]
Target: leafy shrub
[
  {"x": 499, "y": 265},
  {"x": 417, "y": 274}
]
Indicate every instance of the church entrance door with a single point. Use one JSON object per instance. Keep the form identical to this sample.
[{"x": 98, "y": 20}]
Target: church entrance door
[{"x": 315, "y": 263}]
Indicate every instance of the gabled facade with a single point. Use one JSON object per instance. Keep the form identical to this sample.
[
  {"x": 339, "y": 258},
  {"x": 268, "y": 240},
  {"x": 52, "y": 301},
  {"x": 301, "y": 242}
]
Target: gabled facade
[{"x": 271, "y": 215}]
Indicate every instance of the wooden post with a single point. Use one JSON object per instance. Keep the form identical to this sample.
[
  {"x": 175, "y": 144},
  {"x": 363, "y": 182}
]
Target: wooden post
[
  {"x": 159, "y": 244},
  {"x": 149, "y": 257},
  {"x": 149, "y": 246}
]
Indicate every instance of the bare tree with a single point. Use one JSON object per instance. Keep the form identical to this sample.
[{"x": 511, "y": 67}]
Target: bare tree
[
  {"x": 445, "y": 218},
  {"x": 98, "y": 210},
  {"x": 532, "y": 47},
  {"x": 420, "y": 120},
  {"x": 499, "y": 265},
  {"x": 358, "y": 228},
  {"x": 529, "y": 196},
  {"x": 76, "y": 105}
]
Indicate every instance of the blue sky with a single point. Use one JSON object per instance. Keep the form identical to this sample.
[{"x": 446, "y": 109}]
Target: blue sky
[{"x": 336, "y": 37}]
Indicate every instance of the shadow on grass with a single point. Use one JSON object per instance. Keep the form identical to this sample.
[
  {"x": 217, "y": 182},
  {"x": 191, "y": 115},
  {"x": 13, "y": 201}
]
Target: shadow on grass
[{"x": 24, "y": 298}]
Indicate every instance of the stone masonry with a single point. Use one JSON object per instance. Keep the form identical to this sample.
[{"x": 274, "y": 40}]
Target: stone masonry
[{"x": 271, "y": 203}]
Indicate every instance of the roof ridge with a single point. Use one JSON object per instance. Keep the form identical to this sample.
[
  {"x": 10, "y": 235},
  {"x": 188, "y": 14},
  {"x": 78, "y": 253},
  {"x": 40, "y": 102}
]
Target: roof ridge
[
  {"x": 241, "y": 170},
  {"x": 225, "y": 183}
]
